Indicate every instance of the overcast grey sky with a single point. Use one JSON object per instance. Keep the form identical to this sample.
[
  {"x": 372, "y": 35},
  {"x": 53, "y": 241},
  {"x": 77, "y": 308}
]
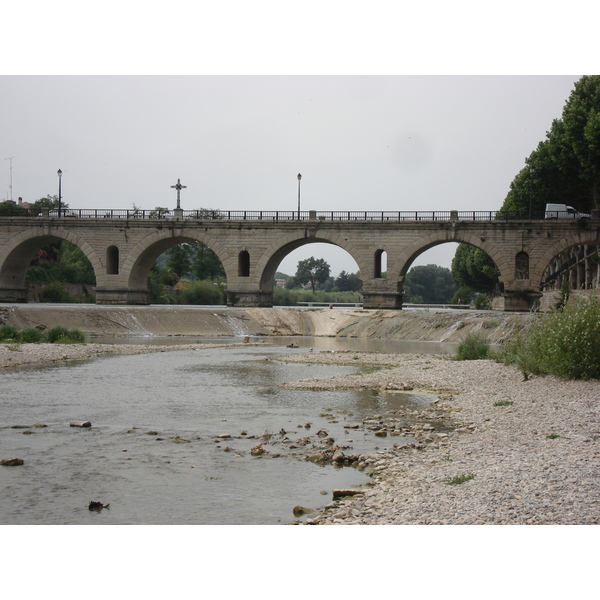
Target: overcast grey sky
[{"x": 238, "y": 142}]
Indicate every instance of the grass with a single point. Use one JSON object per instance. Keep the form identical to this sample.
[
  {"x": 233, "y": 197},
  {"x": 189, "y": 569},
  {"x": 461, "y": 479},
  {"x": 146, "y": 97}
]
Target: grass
[
  {"x": 504, "y": 403},
  {"x": 32, "y": 335},
  {"x": 8, "y": 332},
  {"x": 552, "y": 436},
  {"x": 459, "y": 479}
]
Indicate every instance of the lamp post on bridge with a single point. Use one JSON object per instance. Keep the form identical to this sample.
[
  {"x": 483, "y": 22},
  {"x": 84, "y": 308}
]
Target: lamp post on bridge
[
  {"x": 59, "y": 173},
  {"x": 299, "y": 179}
]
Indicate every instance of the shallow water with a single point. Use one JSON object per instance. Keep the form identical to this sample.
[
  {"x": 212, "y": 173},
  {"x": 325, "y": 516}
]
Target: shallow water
[
  {"x": 156, "y": 478},
  {"x": 304, "y": 342}
]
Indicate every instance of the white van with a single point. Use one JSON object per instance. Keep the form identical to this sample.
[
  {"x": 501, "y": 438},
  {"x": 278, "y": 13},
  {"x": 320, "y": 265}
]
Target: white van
[{"x": 562, "y": 211}]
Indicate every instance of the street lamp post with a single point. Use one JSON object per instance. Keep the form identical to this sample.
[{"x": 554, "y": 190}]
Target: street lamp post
[
  {"x": 59, "y": 173},
  {"x": 299, "y": 178}
]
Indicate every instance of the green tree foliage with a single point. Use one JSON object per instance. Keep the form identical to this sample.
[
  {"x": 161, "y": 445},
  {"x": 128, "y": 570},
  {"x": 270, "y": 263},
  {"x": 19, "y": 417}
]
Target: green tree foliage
[
  {"x": 429, "y": 284},
  {"x": 565, "y": 167},
  {"x": 348, "y": 282},
  {"x": 179, "y": 260},
  {"x": 63, "y": 262},
  {"x": 194, "y": 260},
  {"x": 9, "y": 208},
  {"x": 291, "y": 283},
  {"x": 313, "y": 270},
  {"x": 473, "y": 269},
  {"x": 205, "y": 264}
]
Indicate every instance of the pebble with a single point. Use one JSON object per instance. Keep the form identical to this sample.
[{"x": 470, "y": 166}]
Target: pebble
[{"x": 520, "y": 475}]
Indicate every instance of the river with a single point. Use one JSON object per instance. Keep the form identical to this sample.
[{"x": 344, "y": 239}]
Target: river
[{"x": 153, "y": 451}]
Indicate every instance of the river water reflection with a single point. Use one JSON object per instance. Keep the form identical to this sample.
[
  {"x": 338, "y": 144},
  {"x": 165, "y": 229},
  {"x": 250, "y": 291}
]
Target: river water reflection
[{"x": 153, "y": 451}]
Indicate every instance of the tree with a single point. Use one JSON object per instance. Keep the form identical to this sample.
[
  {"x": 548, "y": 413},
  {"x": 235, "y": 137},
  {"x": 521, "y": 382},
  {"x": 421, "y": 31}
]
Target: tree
[
  {"x": 565, "y": 167},
  {"x": 472, "y": 268},
  {"x": 205, "y": 264},
  {"x": 193, "y": 259},
  {"x": 348, "y": 282},
  {"x": 291, "y": 283},
  {"x": 429, "y": 284},
  {"x": 11, "y": 209},
  {"x": 50, "y": 202},
  {"x": 179, "y": 260},
  {"x": 61, "y": 261},
  {"x": 312, "y": 270}
]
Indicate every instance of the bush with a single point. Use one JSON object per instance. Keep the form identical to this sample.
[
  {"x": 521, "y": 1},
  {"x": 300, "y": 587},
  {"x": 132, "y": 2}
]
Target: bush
[
  {"x": 55, "y": 292},
  {"x": 56, "y": 333},
  {"x": 201, "y": 292},
  {"x": 8, "y": 332},
  {"x": 482, "y": 302},
  {"x": 565, "y": 343},
  {"x": 31, "y": 335},
  {"x": 75, "y": 336},
  {"x": 474, "y": 346}
]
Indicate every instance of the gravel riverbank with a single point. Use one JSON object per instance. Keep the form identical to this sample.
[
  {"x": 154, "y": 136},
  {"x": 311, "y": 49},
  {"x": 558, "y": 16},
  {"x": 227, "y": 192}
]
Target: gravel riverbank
[{"x": 532, "y": 460}]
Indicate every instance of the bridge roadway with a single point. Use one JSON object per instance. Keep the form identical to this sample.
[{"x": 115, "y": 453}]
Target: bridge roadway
[{"x": 123, "y": 245}]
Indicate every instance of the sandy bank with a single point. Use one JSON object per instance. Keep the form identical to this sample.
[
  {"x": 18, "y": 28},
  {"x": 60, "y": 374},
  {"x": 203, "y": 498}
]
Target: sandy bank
[
  {"x": 533, "y": 459},
  {"x": 421, "y": 325}
]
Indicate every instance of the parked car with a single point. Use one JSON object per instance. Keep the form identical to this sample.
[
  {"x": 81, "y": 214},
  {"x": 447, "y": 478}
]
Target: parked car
[
  {"x": 562, "y": 211},
  {"x": 64, "y": 212}
]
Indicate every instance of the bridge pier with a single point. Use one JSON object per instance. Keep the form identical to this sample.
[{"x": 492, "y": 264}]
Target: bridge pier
[
  {"x": 520, "y": 300},
  {"x": 382, "y": 300},
  {"x": 107, "y": 295},
  {"x": 14, "y": 295},
  {"x": 249, "y": 299}
]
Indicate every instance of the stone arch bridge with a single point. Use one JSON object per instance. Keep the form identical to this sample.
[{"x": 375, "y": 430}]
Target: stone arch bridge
[{"x": 122, "y": 245}]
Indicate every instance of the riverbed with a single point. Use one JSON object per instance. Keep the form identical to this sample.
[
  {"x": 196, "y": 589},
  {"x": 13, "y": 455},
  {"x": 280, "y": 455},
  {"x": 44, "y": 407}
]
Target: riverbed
[{"x": 172, "y": 434}]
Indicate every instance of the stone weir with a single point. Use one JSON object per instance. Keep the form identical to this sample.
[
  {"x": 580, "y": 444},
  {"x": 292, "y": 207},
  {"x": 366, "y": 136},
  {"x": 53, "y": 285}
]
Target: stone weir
[{"x": 165, "y": 321}]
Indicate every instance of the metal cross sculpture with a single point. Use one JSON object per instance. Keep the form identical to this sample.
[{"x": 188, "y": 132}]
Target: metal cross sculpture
[{"x": 178, "y": 187}]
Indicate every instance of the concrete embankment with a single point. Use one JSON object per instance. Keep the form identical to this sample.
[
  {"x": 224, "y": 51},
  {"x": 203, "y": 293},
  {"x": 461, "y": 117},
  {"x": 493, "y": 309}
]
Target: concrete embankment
[{"x": 422, "y": 325}]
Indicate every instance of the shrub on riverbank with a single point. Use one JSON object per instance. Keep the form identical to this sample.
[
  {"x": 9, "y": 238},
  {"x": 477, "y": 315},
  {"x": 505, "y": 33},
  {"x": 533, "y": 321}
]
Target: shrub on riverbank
[
  {"x": 565, "y": 343},
  {"x": 31, "y": 335},
  {"x": 8, "y": 333},
  {"x": 474, "y": 346}
]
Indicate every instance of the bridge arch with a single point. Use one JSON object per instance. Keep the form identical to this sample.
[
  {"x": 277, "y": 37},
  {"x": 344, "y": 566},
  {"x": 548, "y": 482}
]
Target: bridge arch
[
  {"x": 16, "y": 256},
  {"x": 136, "y": 265},
  {"x": 267, "y": 265},
  {"x": 399, "y": 268}
]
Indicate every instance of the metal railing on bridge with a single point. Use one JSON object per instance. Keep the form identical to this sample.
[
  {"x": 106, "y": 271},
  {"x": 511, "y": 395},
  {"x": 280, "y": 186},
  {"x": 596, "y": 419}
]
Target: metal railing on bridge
[{"x": 273, "y": 216}]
